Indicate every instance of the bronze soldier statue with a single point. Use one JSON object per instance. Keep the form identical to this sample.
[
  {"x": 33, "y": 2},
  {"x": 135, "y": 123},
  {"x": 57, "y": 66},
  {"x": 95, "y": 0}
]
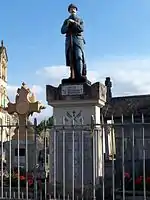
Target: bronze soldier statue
[{"x": 74, "y": 45}]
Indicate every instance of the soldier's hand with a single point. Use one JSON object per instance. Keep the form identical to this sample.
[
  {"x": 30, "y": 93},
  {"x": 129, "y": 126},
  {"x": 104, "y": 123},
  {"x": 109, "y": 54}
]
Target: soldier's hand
[{"x": 71, "y": 21}]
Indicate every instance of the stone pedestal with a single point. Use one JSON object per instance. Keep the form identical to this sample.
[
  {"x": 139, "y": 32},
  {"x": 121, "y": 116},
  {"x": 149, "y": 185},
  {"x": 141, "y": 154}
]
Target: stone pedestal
[{"x": 73, "y": 106}]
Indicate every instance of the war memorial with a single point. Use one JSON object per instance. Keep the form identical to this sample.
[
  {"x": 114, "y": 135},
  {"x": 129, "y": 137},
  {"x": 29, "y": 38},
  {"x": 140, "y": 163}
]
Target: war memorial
[
  {"x": 75, "y": 101},
  {"x": 97, "y": 146}
]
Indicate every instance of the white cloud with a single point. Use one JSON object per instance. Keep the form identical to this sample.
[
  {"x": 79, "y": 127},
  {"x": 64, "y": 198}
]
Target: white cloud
[
  {"x": 53, "y": 74},
  {"x": 129, "y": 76},
  {"x": 12, "y": 90},
  {"x": 45, "y": 114},
  {"x": 37, "y": 89}
]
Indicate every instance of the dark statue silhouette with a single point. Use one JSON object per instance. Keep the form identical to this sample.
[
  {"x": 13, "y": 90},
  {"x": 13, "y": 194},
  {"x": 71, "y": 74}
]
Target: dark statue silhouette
[{"x": 74, "y": 45}]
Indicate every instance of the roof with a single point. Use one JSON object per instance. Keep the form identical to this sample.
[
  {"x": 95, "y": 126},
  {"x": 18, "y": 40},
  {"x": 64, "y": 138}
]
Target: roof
[
  {"x": 2, "y": 48},
  {"x": 126, "y": 106}
]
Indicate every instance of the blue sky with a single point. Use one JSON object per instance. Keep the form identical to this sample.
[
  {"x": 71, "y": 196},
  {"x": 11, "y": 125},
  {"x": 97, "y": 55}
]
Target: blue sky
[{"x": 117, "y": 35}]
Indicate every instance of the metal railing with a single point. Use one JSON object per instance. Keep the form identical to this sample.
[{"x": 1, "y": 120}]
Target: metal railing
[{"x": 109, "y": 160}]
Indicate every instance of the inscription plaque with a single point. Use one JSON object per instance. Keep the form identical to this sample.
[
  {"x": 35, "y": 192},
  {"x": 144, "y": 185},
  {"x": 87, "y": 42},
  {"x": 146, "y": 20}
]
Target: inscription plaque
[{"x": 71, "y": 90}]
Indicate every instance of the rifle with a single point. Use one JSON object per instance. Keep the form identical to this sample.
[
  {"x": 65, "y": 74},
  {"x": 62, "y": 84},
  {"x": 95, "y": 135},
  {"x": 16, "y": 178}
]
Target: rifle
[{"x": 72, "y": 57}]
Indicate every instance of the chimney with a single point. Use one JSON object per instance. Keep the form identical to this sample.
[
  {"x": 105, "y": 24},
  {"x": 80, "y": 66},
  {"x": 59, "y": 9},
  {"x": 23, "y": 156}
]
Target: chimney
[{"x": 108, "y": 85}]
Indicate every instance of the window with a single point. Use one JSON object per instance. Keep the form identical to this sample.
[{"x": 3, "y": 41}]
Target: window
[
  {"x": 21, "y": 152},
  {"x": 3, "y": 96},
  {"x": 3, "y": 99}
]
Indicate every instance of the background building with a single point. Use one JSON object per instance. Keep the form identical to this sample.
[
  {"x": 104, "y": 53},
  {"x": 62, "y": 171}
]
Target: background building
[{"x": 131, "y": 118}]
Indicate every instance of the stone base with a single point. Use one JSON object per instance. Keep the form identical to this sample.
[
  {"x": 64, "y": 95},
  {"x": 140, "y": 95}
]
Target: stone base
[
  {"x": 76, "y": 81},
  {"x": 73, "y": 91},
  {"x": 74, "y": 102}
]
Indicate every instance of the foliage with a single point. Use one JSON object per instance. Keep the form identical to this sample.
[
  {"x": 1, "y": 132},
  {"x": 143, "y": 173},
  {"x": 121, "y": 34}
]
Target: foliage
[{"x": 45, "y": 124}]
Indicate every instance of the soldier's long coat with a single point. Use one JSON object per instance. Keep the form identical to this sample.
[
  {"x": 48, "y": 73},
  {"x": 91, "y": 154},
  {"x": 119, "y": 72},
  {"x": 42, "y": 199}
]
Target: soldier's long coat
[{"x": 77, "y": 38}]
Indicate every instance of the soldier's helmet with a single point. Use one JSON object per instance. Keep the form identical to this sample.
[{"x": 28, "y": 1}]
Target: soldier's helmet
[{"x": 72, "y": 6}]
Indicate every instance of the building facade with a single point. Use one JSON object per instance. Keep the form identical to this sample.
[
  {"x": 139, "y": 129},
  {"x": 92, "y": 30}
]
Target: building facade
[{"x": 5, "y": 118}]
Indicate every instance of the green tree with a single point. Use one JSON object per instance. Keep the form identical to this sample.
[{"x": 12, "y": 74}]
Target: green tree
[{"x": 45, "y": 124}]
